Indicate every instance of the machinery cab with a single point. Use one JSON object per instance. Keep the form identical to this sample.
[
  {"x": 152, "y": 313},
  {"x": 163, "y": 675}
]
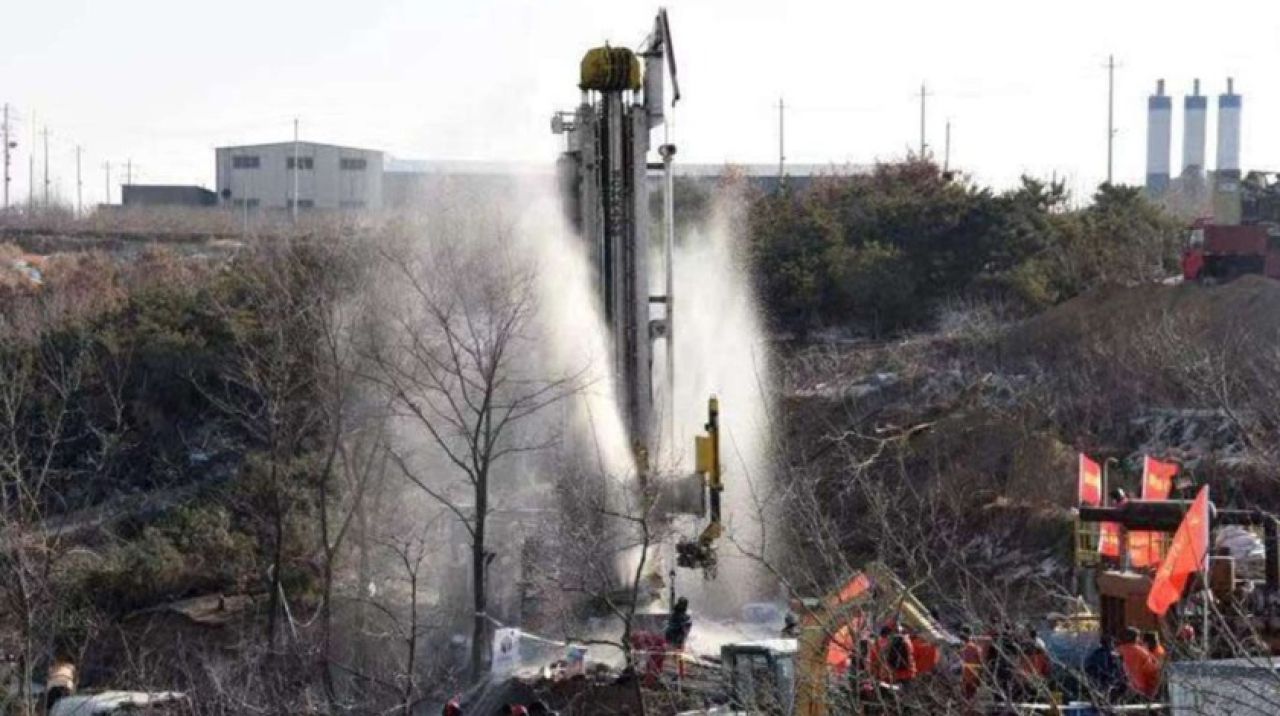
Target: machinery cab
[
  {"x": 1247, "y": 599},
  {"x": 761, "y": 675}
]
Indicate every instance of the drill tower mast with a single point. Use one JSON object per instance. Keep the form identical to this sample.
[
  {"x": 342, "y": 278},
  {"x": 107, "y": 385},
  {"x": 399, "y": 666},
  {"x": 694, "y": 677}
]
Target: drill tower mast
[{"x": 603, "y": 175}]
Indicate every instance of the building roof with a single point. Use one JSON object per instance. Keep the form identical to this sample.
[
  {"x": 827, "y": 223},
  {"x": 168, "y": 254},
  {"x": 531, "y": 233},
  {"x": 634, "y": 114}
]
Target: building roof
[
  {"x": 696, "y": 170},
  {"x": 300, "y": 144},
  {"x": 167, "y": 187},
  {"x": 466, "y": 167}
]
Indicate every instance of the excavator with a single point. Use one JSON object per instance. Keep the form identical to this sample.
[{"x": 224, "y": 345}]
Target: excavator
[{"x": 796, "y": 675}]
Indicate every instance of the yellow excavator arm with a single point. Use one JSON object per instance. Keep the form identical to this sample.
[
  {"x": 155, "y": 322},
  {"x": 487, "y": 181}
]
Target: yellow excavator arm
[{"x": 701, "y": 553}]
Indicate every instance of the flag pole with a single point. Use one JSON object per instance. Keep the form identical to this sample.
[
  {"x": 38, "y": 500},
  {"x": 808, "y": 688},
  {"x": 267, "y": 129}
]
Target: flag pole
[{"x": 1206, "y": 594}]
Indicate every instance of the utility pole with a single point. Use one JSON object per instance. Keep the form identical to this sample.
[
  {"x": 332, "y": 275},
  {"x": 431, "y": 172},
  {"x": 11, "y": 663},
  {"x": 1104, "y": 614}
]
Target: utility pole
[
  {"x": 31, "y": 169},
  {"x": 782, "y": 155},
  {"x": 79, "y": 186},
  {"x": 295, "y": 170},
  {"x": 1111, "y": 106},
  {"x": 46, "y": 167},
  {"x": 7, "y": 146},
  {"x": 107, "y": 201},
  {"x": 923, "y": 147},
  {"x": 128, "y": 171},
  {"x": 946, "y": 152}
]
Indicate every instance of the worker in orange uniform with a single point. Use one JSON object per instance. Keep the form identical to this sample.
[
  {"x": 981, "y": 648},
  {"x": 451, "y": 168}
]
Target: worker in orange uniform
[
  {"x": 925, "y": 654},
  {"x": 892, "y": 659},
  {"x": 970, "y": 665},
  {"x": 1033, "y": 666},
  {"x": 1140, "y": 665}
]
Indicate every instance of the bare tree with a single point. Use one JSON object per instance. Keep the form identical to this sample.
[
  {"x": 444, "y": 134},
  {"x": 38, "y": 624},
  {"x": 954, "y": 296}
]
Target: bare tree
[
  {"x": 270, "y": 383},
  {"x": 606, "y": 541},
  {"x": 41, "y": 384},
  {"x": 455, "y": 360}
]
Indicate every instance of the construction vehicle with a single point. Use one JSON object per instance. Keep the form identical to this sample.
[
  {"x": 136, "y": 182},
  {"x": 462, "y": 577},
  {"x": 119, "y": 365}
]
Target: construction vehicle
[
  {"x": 1242, "y": 608},
  {"x": 796, "y": 675},
  {"x": 1242, "y": 238}
]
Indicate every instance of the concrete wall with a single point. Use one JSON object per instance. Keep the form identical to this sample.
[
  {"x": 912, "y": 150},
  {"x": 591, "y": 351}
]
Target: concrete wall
[
  {"x": 167, "y": 195},
  {"x": 331, "y": 177}
]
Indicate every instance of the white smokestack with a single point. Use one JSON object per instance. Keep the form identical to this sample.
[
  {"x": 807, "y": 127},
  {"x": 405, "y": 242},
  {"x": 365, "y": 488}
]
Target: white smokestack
[
  {"x": 1159, "y": 139},
  {"x": 1195, "y": 109},
  {"x": 1229, "y": 132}
]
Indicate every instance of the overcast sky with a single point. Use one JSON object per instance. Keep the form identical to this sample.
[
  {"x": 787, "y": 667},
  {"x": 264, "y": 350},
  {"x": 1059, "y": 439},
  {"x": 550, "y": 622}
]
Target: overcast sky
[{"x": 165, "y": 81}]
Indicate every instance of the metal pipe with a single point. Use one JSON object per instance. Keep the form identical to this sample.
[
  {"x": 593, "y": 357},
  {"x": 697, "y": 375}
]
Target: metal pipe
[
  {"x": 668, "y": 152},
  {"x": 1271, "y": 552}
]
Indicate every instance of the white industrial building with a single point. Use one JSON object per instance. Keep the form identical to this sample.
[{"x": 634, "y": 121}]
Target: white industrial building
[
  {"x": 1193, "y": 181},
  {"x": 262, "y": 176}
]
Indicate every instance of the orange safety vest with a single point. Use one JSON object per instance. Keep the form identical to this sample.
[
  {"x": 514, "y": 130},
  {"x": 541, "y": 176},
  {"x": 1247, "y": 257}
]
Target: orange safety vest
[
  {"x": 925, "y": 655},
  {"x": 1142, "y": 669},
  {"x": 880, "y": 664}
]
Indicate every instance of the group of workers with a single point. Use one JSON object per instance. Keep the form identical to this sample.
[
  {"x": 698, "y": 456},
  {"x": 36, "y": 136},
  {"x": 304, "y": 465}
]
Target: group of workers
[
  {"x": 1132, "y": 668},
  {"x": 1013, "y": 661},
  {"x": 1012, "y": 664},
  {"x": 1015, "y": 664},
  {"x": 671, "y": 641}
]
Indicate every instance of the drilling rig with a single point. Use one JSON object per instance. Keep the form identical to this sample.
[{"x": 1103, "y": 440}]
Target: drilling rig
[{"x": 604, "y": 181}]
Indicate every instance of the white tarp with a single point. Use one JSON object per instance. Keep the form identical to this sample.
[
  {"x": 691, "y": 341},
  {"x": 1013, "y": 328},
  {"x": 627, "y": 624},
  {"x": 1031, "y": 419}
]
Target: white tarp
[
  {"x": 506, "y": 651},
  {"x": 111, "y": 702}
]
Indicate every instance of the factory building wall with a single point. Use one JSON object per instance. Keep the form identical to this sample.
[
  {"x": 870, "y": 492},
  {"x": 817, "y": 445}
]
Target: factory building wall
[
  {"x": 330, "y": 177},
  {"x": 166, "y": 195}
]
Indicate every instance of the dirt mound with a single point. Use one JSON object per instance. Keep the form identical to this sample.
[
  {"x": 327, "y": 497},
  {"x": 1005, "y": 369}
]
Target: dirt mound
[{"x": 1248, "y": 307}]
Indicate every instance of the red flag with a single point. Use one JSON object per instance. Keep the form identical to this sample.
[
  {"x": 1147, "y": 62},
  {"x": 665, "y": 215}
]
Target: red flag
[
  {"x": 1157, "y": 478},
  {"x": 1090, "y": 482},
  {"x": 1144, "y": 548},
  {"x": 1188, "y": 554},
  {"x": 1109, "y": 539}
]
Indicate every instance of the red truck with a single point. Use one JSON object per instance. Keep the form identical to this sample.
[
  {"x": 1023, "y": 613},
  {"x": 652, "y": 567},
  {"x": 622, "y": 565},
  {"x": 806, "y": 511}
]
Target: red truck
[{"x": 1221, "y": 252}]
